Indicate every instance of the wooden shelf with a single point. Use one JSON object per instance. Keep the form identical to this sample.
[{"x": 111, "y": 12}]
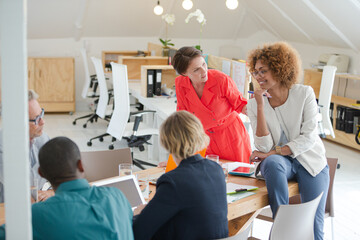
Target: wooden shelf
[
  {"x": 313, "y": 79},
  {"x": 347, "y": 139},
  {"x": 113, "y": 56},
  {"x": 134, "y": 64},
  {"x": 168, "y": 76}
]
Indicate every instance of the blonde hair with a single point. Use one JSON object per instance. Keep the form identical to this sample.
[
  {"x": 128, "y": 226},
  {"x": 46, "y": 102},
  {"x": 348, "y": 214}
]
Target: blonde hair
[{"x": 182, "y": 134}]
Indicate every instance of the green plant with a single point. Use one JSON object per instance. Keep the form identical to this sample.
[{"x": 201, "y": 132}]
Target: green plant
[{"x": 166, "y": 42}]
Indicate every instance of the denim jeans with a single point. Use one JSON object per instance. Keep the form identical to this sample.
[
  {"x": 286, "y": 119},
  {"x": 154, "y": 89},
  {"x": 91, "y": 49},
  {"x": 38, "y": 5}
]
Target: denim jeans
[{"x": 277, "y": 170}]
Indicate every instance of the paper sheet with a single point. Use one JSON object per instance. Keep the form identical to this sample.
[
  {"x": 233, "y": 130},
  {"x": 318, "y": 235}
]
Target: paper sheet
[
  {"x": 239, "y": 75},
  {"x": 226, "y": 66}
]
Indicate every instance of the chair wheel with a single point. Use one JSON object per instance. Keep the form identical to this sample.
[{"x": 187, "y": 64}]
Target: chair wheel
[
  {"x": 84, "y": 126},
  {"x": 91, "y": 121},
  {"x": 74, "y": 122},
  {"x": 111, "y": 147},
  {"x": 101, "y": 139},
  {"x": 89, "y": 143}
]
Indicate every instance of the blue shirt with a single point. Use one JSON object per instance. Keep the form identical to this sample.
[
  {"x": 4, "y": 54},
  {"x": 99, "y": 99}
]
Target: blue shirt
[{"x": 79, "y": 211}]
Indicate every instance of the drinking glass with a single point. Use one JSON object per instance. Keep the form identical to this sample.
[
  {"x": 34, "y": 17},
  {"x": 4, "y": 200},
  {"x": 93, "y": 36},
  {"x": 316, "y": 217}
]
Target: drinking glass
[
  {"x": 213, "y": 157},
  {"x": 143, "y": 180},
  {"x": 224, "y": 166},
  {"x": 125, "y": 169}
]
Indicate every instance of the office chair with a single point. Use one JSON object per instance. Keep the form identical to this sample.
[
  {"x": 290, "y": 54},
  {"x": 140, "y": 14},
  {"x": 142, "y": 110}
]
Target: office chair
[
  {"x": 266, "y": 213},
  {"x": 104, "y": 99},
  {"x": 119, "y": 127},
  {"x": 295, "y": 221},
  {"x": 90, "y": 83},
  {"x": 326, "y": 89}
]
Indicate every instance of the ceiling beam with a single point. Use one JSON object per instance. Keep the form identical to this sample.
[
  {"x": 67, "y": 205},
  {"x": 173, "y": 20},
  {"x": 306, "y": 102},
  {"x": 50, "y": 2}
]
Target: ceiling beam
[
  {"x": 286, "y": 16},
  {"x": 240, "y": 22},
  {"x": 272, "y": 30},
  {"x": 330, "y": 24},
  {"x": 356, "y": 3},
  {"x": 80, "y": 19}
]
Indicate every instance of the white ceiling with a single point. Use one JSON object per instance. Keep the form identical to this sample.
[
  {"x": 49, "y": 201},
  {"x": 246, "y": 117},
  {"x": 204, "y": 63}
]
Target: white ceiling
[{"x": 330, "y": 23}]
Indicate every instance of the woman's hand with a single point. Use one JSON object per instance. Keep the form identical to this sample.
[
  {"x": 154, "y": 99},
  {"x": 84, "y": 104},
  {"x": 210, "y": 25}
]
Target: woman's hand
[
  {"x": 244, "y": 110},
  {"x": 258, "y": 94},
  {"x": 257, "y": 156},
  {"x": 162, "y": 164}
]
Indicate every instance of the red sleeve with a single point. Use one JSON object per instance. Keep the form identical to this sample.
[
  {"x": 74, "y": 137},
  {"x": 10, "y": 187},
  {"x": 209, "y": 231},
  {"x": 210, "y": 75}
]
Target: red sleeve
[
  {"x": 179, "y": 95},
  {"x": 233, "y": 95}
]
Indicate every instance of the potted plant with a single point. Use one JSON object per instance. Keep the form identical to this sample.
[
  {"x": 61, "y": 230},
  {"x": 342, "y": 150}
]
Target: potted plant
[
  {"x": 201, "y": 19},
  {"x": 169, "y": 20}
]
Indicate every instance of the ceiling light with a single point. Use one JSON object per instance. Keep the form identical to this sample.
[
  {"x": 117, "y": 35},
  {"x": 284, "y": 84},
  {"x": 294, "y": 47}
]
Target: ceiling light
[
  {"x": 232, "y": 4},
  {"x": 187, "y": 4},
  {"x": 158, "y": 9}
]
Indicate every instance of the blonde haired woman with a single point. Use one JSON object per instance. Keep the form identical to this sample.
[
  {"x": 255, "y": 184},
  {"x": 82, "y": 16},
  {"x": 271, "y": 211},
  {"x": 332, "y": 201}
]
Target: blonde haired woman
[{"x": 190, "y": 201}]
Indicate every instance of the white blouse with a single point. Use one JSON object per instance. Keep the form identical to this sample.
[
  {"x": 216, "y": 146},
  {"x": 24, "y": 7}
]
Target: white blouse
[{"x": 297, "y": 117}]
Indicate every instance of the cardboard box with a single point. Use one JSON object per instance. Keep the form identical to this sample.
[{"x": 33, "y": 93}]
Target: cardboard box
[
  {"x": 342, "y": 86},
  {"x": 352, "y": 89}
]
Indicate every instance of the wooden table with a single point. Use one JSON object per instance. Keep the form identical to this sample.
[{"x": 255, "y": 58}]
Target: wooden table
[
  {"x": 240, "y": 213},
  {"x": 243, "y": 211}
]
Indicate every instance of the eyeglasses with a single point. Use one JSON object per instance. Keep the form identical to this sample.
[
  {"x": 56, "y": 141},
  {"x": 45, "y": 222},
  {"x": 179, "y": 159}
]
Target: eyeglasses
[
  {"x": 260, "y": 73},
  {"x": 38, "y": 118}
]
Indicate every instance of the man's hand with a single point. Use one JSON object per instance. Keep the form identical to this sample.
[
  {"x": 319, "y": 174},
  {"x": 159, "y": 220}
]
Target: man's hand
[
  {"x": 138, "y": 210},
  {"x": 43, "y": 195}
]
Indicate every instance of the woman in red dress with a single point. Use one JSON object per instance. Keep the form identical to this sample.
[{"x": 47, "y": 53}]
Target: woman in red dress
[{"x": 213, "y": 97}]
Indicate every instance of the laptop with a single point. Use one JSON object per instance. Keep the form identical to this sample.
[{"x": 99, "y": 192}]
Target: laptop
[
  {"x": 128, "y": 185},
  {"x": 104, "y": 164}
]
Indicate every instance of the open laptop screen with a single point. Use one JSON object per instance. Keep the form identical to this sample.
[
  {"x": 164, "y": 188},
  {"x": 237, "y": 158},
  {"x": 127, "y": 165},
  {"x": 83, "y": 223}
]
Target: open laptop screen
[{"x": 129, "y": 187}]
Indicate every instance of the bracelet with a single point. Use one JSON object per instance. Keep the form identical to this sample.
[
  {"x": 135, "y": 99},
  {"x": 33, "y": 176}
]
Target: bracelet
[{"x": 278, "y": 150}]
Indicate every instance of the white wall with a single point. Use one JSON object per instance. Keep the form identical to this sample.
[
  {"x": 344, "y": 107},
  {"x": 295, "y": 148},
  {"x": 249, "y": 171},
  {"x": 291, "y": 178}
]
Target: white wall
[
  {"x": 221, "y": 47},
  {"x": 70, "y": 48}
]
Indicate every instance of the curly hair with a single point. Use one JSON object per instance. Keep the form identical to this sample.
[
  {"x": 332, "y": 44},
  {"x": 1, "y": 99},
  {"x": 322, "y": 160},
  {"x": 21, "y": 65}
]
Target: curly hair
[{"x": 282, "y": 59}]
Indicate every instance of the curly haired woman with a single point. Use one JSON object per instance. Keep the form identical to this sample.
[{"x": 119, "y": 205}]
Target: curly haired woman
[{"x": 285, "y": 128}]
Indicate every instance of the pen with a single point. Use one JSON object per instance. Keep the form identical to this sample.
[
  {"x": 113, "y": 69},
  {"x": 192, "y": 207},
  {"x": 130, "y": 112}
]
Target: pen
[
  {"x": 237, "y": 191},
  {"x": 252, "y": 92}
]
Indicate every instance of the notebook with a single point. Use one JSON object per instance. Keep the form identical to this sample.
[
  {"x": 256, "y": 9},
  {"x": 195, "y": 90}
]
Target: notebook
[{"x": 128, "y": 185}]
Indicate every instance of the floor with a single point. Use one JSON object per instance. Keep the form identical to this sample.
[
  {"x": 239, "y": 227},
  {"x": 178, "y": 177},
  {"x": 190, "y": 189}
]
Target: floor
[{"x": 346, "y": 187}]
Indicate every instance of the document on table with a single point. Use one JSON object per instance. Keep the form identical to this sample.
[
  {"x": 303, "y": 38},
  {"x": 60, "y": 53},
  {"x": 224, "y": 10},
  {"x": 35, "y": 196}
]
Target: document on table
[{"x": 231, "y": 187}]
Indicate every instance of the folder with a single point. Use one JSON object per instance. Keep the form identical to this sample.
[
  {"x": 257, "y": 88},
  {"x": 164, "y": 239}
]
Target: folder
[
  {"x": 150, "y": 83},
  {"x": 157, "y": 83},
  {"x": 171, "y": 165}
]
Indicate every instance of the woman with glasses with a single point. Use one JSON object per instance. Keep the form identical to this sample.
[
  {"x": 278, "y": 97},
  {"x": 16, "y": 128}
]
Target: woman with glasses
[
  {"x": 283, "y": 117},
  {"x": 213, "y": 97}
]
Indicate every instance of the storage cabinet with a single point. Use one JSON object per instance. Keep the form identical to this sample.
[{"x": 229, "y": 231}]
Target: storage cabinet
[
  {"x": 313, "y": 79},
  {"x": 53, "y": 79}
]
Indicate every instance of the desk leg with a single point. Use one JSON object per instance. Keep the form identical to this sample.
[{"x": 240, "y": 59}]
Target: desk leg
[{"x": 241, "y": 223}]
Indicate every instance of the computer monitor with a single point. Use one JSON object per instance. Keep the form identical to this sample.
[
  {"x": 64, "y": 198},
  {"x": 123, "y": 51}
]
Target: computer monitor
[
  {"x": 104, "y": 164},
  {"x": 129, "y": 187}
]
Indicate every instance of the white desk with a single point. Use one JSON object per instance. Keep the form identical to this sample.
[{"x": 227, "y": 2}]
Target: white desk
[{"x": 164, "y": 107}]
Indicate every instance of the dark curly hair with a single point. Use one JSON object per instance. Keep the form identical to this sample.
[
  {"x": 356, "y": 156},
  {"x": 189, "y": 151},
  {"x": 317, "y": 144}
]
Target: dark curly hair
[{"x": 282, "y": 59}]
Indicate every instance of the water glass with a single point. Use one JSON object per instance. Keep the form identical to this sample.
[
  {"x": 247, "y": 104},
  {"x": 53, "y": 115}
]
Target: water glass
[
  {"x": 143, "y": 180},
  {"x": 224, "y": 166},
  {"x": 213, "y": 157},
  {"x": 34, "y": 189},
  {"x": 125, "y": 169}
]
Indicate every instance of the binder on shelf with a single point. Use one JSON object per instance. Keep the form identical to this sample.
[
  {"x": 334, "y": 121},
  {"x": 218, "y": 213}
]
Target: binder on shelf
[
  {"x": 150, "y": 83},
  {"x": 157, "y": 83}
]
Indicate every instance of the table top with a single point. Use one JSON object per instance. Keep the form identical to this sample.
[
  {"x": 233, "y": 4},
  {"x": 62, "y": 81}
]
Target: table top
[{"x": 236, "y": 209}]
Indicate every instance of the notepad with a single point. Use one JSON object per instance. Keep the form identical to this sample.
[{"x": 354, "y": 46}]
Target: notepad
[{"x": 231, "y": 187}]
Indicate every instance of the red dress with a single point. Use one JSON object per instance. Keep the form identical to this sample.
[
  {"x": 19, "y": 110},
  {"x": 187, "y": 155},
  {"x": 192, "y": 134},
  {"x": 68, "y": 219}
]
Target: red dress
[{"x": 218, "y": 110}]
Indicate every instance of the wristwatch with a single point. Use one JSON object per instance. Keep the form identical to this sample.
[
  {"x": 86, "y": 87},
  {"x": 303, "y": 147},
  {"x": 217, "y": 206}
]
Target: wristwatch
[{"x": 278, "y": 150}]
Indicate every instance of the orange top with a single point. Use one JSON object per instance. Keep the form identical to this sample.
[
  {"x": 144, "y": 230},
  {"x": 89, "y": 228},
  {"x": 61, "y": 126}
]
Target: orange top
[{"x": 171, "y": 164}]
